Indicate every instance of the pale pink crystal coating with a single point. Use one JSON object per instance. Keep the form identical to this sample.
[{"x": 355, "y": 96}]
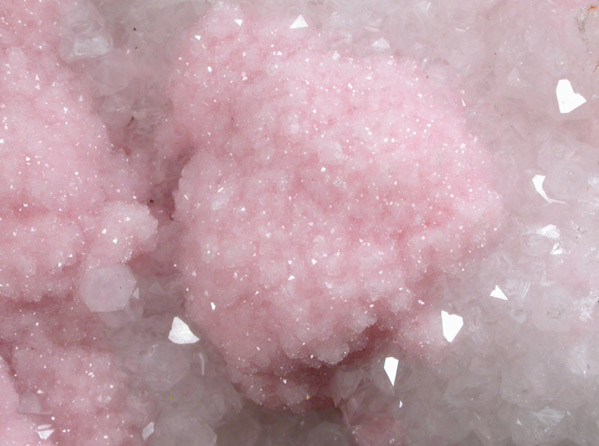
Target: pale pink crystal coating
[
  {"x": 15, "y": 429},
  {"x": 69, "y": 198},
  {"x": 66, "y": 380},
  {"x": 70, "y": 207},
  {"x": 326, "y": 191}
]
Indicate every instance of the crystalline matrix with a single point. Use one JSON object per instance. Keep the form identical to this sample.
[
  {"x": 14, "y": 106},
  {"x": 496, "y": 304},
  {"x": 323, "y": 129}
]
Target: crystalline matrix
[
  {"x": 364, "y": 222},
  {"x": 313, "y": 225}
]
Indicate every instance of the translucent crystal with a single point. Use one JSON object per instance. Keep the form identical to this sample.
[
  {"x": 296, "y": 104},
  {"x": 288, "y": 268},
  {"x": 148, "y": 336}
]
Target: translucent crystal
[
  {"x": 390, "y": 366},
  {"x": 29, "y": 403},
  {"x": 299, "y": 22},
  {"x": 108, "y": 288},
  {"x": 86, "y": 35},
  {"x": 175, "y": 428},
  {"x": 163, "y": 365},
  {"x": 327, "y": 433}
]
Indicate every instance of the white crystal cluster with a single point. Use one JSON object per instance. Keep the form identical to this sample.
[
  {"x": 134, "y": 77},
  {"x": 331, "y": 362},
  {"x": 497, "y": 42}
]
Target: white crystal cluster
[{"x": 521, "y": 363}]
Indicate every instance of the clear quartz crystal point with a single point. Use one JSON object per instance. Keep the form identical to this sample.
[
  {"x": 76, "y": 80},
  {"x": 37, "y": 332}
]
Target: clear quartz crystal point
[
  {"x": 382, "y": 43},
  {"x": 108, "y": 288}
]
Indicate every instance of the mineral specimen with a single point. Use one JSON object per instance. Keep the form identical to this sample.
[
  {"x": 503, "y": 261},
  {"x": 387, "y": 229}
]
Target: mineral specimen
[{"x": 325, "y": 192}]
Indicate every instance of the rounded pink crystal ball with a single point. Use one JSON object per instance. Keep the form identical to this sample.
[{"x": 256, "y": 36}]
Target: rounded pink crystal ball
[{"x": 324, "y": 190}]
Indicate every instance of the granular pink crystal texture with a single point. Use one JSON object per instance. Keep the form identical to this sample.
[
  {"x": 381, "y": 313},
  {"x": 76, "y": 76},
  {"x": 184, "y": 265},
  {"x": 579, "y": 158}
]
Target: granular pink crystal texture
[
  {"x": 69, "y": 198},
  {"x": 15, "y": 429},
  {"x": 70, "y": 209},
  {"x": 66, "y": 381},
  {"x": 325, "y": 194}
]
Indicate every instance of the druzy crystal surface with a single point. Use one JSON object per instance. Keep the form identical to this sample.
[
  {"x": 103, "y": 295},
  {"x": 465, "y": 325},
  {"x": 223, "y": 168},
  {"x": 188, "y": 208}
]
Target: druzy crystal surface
[
  {"x": 315, "y": 215},
  {"x": 289, "y": 222}
]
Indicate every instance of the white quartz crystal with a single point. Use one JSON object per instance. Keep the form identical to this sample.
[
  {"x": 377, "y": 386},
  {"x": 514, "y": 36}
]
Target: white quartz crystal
[{"x": 108, "y": 288}]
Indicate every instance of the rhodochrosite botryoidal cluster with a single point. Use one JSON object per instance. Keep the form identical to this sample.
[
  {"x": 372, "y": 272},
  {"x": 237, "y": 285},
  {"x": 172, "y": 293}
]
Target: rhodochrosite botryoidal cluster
[{"x": 315, "y": 215}]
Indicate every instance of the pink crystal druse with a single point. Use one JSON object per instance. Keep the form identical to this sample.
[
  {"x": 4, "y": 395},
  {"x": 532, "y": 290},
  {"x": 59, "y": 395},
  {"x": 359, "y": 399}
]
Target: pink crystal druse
[
  {"x": 70, "y": 218},
  {"x": 69, "y": 199},
  {"x": 325, "y": 193}
]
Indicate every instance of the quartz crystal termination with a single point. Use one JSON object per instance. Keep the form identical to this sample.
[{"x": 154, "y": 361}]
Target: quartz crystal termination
[{"x": 324, "y": 194}]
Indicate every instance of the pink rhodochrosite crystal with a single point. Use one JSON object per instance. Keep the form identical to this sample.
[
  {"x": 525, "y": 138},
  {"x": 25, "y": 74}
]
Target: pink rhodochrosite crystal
[
  {"x": 325, "y": 194},
  {"x": 68, "y": 196},
  {"x": 67, "y": 382},
  {"x": 69, "y": 214},
  {"x": 15, "y": 429}
]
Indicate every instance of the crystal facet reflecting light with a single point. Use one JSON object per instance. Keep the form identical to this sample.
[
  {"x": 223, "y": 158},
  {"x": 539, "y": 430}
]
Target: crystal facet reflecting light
[
  {"x": 390, "y": 367},
  {"x": 497, "y": 293},
  {"x": 181, "y": 333},
  {"x": 381, "y": 43},
  {"x": 537, "y": 182},
  {"x": 549, "y": 231},
  {"x": 44, "y": 431},
  {"x": 148, "y": 430},
  {"x": 300, "y": 22},
  {"x": 452, "y": 324},
  {"x": 567, "y": 99}
]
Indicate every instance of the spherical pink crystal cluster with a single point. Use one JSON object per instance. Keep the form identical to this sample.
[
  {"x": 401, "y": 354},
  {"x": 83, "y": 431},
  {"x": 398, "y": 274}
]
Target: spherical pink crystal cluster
[{"x": 324, "y": 193}]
